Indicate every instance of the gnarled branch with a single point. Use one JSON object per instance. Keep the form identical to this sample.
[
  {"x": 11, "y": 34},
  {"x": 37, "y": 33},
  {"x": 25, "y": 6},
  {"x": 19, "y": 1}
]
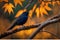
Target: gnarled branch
[{"x": 40, "y": 26}]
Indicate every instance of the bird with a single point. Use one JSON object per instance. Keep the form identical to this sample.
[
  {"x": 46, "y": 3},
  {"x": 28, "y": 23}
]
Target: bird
[{"x": 21, "y": 20}]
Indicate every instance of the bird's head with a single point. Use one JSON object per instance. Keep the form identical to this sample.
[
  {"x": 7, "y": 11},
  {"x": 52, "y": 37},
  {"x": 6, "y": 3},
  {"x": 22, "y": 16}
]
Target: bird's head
[{"x": 25, "y": 13}]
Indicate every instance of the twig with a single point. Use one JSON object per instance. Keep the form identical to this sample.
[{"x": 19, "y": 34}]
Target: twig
[
  {"x": 28, "y": 4},
  {"x": 43, "y": 25}
]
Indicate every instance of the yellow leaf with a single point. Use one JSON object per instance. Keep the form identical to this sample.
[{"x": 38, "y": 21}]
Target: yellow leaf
[
  {"x": 43, "y": 11},
  {"x": 4, "y": 0},
  {"x": 31, "y": 11},
  {"x": 47, "y": 3},
  {"x": 47, "y": 8},
  {"x": 42, "y": 4},
  {"x": 20, "y": 12},
  {"x": 18, "y": 2},
  {"x": 37, "y": 12},
  {"x": 8, "y": 7}
]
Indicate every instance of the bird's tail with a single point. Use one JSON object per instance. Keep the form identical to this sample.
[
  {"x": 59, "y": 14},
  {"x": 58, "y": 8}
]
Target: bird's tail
[{"x": 11, "y": 27}]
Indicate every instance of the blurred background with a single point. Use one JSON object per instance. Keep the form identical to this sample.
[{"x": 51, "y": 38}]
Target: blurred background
[{"x": 39, "y": 11}]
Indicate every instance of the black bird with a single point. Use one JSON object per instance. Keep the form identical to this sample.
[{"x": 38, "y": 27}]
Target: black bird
[{"x": 20, "y": 20}]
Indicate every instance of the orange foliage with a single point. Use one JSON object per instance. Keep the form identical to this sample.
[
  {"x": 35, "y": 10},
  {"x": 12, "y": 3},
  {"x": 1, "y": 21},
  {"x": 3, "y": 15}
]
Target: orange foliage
[
  {"x": 18, "y": 2},
  {"x": 32, "y": 10},
  {"x": 8, "y": 7},
  {"x": 42, "y": 9}
]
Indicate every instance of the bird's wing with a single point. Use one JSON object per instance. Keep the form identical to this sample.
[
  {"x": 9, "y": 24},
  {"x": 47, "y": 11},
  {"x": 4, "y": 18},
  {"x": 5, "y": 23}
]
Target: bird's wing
[
  {"x": 19, "y": 21},
  {"x": 22, "y": 19}
]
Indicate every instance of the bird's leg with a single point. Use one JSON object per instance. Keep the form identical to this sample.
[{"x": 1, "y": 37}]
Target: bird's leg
[
  {"x": 23, "y": 25},
  {"x": 20, "y": 26}
]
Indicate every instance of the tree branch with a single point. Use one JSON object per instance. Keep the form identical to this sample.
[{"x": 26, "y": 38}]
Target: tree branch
[
  {"x": 17, "y": 30},
  {"x": 22, "y": 28},
  {"x": 28, "y": 4},
  {"x": 41, "y": 26}
]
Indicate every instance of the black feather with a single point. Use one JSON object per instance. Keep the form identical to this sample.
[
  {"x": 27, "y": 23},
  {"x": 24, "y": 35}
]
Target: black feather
[{"x": 20, "y": 20}]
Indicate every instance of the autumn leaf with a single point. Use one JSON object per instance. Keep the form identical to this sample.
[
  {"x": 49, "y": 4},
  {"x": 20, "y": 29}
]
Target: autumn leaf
[
  {"x": 18, "y": 2},
  {"x": 32, "y": 10},
  {"x": 42, "y": 10},
  {"x": 8, "y": 7},
  {"x": 47, "y": 7},
  {"x": 19, "y": 13},
  {"x": 4, "y": 0}
]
